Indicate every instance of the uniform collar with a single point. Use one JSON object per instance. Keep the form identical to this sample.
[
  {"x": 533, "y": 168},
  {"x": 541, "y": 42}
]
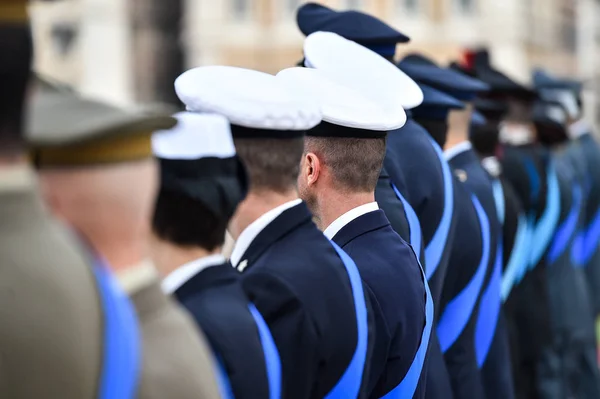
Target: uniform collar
[
  {"x": 17, "y": 178},
  {"x": 578, "y": 129},
  {"x": 492, "y": 165},
  {"x": 347, "y": 217},
  {"x": 249, "y": 234},
  {"x": 184, "y": 273},
  {"x": 363, "y": 224},
  {"x": 457, "y": 149},
  {"x": 137, "y": 277}
]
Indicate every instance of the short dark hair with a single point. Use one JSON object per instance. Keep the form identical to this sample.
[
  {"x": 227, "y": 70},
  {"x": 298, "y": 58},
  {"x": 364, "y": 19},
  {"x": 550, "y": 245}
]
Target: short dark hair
[
  {"x": 15, "y": 69},
  {"x": 272, "y": 164},
  {"x": 187, "y": 222},
  {"x": 355, "y": 163}
]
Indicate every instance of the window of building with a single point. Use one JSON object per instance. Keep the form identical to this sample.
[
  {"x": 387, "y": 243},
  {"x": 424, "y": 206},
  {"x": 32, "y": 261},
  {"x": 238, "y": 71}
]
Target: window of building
[{"x": 241, "y": 8}]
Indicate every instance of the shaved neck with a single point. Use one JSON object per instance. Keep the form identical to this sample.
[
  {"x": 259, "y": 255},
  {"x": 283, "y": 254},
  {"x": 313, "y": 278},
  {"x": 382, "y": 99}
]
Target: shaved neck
[{"x": 109, "y": 206}]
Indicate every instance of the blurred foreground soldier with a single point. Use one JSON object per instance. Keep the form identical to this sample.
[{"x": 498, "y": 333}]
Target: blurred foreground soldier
[
  {"x": 202, "y": 183},
  {"x": 529, "y": 169},
  {"x": 307, "y": 289},
  {"x": 99, "y": 177},
  {"x": 340, "y": 166},
  {"x": 52, "y": 340}
]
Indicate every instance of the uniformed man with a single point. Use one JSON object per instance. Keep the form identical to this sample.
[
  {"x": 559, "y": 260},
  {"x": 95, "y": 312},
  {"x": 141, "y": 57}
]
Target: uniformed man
[
  {"x": 382, "y": 39},
  {"x": 571, "y": 303},
  {"x": 307, "y": 289},
  {"x": 53, "y": 310},
  {"x": 528, "y": 168},
  {"x": 512, "y": 217},
  {"x": 585, "y": 153},
  {"x": 491, "y": 340},
  {"x": 339, "y": 170},
  {"x": 468, "y": 260},
  {"x": 202, "y": 183},
  {"x": 99, "y": 177}
]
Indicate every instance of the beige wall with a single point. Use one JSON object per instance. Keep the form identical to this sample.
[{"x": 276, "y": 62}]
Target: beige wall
[{"x": 520, "y": 33}]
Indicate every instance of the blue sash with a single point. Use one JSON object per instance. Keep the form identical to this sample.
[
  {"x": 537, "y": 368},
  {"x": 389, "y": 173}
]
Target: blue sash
[
  {"x": 349, "y": 384},
  {"x": 590, "y": 240},
  {"x": 544, "y": 229},
  {"x": 409, "y": 384},
  {"x": 413, "y": 222},
  {"x": 567, "y": 229},
  {"x": 435, "y": 249},
  {"x": 122, "y": 352},
  {"x": 223, "y": 380},
  {"x": 459, "y": 310},
  {"x": 489, "y": 310},
  {"x": 518, "y": 258},
  {"x": 272, "y": 361},
  {"x": 499, "y": 200},
  {"x": 271, "y": 354}
]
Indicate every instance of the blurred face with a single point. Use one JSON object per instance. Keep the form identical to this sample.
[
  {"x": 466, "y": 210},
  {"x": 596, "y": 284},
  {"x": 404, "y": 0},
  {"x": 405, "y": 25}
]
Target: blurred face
[{"x": 117, "y": 198}]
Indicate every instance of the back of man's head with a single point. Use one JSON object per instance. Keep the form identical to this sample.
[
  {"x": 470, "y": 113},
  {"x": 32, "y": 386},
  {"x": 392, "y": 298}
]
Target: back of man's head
[
  {"x": 187, "y": 222},
  {"x": 109, "y": 205},
  {"x": 353, "y": 163},
  {"x": 272, "y": 164},
  {"x": 16, "y": 53}
]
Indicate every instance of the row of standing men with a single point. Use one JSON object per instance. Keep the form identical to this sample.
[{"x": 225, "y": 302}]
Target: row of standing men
[{"x": 458, "y": 211}]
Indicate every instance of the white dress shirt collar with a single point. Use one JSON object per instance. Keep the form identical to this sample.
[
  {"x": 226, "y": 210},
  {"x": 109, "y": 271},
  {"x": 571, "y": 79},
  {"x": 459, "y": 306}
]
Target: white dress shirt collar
[
  {"x": 457, "y": 149},
  {"x": 347, "y": 217},
  {"x": 17, "y": 178},
  {"x": 578, "y": 129},
  {"x": 249, "y": 234},
  {"x": 184, "y": 273}
]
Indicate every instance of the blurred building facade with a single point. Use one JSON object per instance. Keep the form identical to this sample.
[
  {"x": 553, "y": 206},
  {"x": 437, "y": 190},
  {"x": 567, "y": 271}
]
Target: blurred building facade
[{"x": 125, "y": 50}]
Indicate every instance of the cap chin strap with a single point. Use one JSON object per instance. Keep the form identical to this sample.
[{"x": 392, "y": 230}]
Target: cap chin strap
[{"x": 516, "y": 135}]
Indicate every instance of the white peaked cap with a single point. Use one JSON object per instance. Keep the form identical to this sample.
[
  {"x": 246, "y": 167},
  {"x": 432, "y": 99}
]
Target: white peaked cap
[
  {"x": 340, "y": 104},
  {"x": 246, "y": 98},
  {"x": 361, "y": 68},
  {"x": 195, "y": 136}
]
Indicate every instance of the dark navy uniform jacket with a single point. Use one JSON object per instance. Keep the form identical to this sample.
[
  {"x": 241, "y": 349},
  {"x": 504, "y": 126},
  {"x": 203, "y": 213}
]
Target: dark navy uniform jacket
[
  {"x": 416, "y": 166},
  {"x": 587, "y": 147},
  {"x": 571, "y": 305},
  {"x": 393, "y": 207},
  {"x": 525, "y": 167},
  {"x": 423, "y": 178},
  {"x": 299, "y": 284},
  {"x": 570, "y": 299},
  {"x": 491, "y": 339},
  {"x": 457, "y": 309},
  {"x": 515, "y": 251},
  {"x": 216, "y": 300},
  {"x": 394, "y": 282}
]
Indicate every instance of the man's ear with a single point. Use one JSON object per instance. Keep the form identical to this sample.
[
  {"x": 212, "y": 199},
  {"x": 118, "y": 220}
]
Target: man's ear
[{"x": 313, "y": 166}]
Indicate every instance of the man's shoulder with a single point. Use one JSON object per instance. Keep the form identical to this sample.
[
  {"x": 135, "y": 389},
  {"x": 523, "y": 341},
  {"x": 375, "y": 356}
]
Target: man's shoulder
[{"x": 175, "y": 351}]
